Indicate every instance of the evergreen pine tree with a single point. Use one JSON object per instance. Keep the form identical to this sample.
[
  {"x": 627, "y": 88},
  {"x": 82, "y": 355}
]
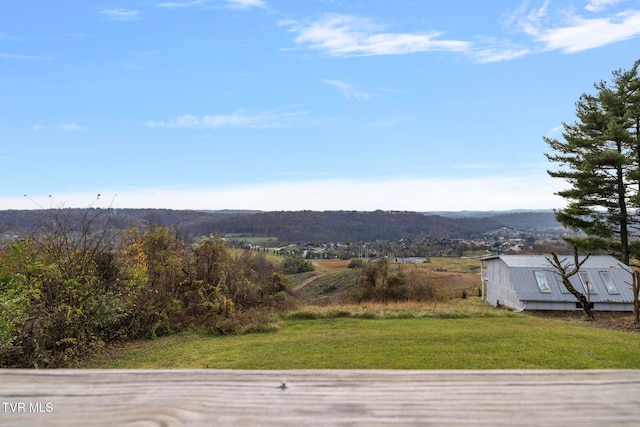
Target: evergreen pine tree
[{"x": 600, "y": 159}]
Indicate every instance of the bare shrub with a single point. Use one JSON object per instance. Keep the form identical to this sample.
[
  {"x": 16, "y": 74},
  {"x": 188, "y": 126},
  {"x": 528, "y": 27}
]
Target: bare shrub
[{"x": 377, "y": 284}]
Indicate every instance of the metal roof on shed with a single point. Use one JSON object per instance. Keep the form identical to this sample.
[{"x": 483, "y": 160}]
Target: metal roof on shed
[
  {"x": 540, "y": 261},
  {"x": 522, "y": 268}
]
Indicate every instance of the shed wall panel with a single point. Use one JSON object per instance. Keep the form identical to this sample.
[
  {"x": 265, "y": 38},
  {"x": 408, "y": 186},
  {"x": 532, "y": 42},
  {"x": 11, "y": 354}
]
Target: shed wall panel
[
  {"x": 500, "y": 287},
  {"x": 550, "y": 305}
]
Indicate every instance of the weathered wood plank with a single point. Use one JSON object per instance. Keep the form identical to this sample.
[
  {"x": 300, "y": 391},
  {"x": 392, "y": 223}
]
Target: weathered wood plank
[{"x": 318, "y": 397}]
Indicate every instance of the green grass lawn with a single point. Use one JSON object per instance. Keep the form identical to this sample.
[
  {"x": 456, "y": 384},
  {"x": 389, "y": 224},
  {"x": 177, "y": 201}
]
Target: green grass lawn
[{"x": 514, "y": 341}]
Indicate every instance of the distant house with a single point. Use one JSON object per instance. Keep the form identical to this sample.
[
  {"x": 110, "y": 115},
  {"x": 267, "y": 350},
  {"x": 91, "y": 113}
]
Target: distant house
[{"x": 524, "y": 282}]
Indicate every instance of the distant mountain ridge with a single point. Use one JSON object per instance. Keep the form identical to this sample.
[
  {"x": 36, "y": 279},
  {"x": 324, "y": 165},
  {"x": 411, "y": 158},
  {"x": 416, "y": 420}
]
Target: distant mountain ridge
[
  {"x": 486, "y": 214},
  {"x": 297, "y": 226}
]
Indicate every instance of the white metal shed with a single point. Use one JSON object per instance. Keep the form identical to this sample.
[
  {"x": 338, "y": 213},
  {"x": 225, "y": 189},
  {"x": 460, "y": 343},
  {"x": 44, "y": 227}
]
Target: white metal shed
[{"x": 530, "y": 282}]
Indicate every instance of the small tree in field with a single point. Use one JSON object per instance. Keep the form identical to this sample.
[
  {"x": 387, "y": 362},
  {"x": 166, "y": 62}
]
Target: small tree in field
[
  {"x": 293, "y": 265},
  {"x": 565, "y": 270},
  {"x": 636, "y": 295}
]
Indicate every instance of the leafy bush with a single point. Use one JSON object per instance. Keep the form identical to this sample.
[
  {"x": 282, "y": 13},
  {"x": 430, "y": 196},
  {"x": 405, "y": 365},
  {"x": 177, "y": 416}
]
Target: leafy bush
[
  {"x": 357, "y": 263},
  {"x": 54, "y": 309},
  {"x": 296, "y": 265},
  {"x": 377, "y": 284},
  {"x": 71, "y": 288}
]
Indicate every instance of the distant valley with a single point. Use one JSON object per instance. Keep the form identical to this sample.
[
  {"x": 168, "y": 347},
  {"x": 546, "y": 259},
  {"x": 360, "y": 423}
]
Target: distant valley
[{"x": 299, "y": 226}]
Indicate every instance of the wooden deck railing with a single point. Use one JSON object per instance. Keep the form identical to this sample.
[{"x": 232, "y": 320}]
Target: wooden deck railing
[{"x": 318, "y": 397}]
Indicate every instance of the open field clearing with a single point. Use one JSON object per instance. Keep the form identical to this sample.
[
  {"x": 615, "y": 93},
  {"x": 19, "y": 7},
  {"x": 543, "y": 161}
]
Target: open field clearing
[
  {"x": 333, "y": 282},
  {"x": 409, "y": 337},
  {"x": 458, "y": 265}
]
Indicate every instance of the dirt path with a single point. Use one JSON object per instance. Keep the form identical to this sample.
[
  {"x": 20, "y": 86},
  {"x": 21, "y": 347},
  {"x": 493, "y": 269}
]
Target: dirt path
[
  {"x": 305, "y": 282},
  {"x": 323, "y": 267}
]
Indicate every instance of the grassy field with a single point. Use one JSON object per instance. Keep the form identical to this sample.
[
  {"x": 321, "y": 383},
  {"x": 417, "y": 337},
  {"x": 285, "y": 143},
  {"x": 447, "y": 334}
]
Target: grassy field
[
  {"x": 450, "y": 276},
  {"x": 255, "y": 240},
  {"x": 458, "y": 265},
  {"x": 464, "y": 334},
  {"x": 328, "y": 283},
  {"x": 457, "y": 334}
]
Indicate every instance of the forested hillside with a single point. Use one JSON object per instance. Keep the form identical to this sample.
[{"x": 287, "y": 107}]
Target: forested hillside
[
  {"x": 348, "y": 226},
  {"x": 289, "y": 226}
]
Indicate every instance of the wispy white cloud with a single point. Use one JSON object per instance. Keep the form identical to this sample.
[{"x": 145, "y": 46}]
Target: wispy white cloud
[
  {"x": 582, "y": 34},
  {"x": 180, "y": 4},
  {"x": 120, "y": 14},
  {"x": 23, "y": 57},
  {"x": 600, "y": 5},
  {"x": 347, "y": 35},
  {"x": 7, "y": 37},
  {"x": 228, "y": 4},
  {"x": 245, "y": 4},
  {"x": 348, "y": 90},
  {"x": 554, "y": 131},
  {"x": 485, "y": 166},
  {"x": 525, "y": 20},
  {"x": 569, "y": 32},
  {"x": 71, "y": 127},
  {"x": 240, "y": 119},
  {"x": 547, "y": 29},
  {"x": 489, "y": 50},
  {"x": 67, "y": 126},
  {"x": 486, "y": 55}
]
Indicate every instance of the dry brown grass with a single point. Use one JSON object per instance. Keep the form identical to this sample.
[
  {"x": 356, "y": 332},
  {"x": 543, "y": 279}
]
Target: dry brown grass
[
  {"x": 330, "y": 264},
  {"x": 447, "y": 277},
  {"x": 451, "y": 283}
]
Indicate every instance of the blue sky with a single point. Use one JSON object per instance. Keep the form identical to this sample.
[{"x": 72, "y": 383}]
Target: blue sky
[{"x": 289, "y": 104}]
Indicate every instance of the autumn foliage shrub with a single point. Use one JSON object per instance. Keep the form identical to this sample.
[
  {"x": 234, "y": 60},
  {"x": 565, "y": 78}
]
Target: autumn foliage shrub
[
  {"x": 357, "y": 263},
  {"x": 72, "y": 287},
  {"x": 377, "y": 283},
  {"x": 293, "y": 265},
  {"x": 56, "y": 303}
]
